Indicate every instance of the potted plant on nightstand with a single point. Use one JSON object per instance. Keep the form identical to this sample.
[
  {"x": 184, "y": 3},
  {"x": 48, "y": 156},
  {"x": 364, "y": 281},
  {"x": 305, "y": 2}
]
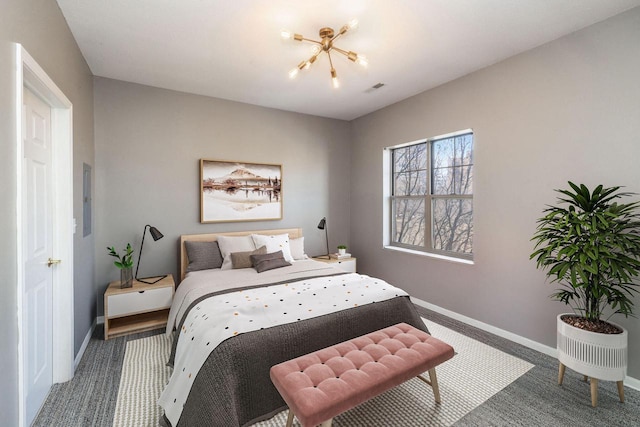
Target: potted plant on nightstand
[
  {"x": 125, "y": 264},
  {"x": 590, "y": 245},
  {"x": 342, "y": 249}
]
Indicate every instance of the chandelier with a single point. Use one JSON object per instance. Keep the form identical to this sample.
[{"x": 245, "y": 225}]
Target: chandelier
[{"x": 325, "y": 44}]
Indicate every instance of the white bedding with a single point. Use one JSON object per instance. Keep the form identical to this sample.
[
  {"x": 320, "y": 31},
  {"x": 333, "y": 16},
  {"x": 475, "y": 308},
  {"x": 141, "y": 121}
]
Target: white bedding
[
  {"x": 216, "y": 319},
  {"x": 199, "y": 283}
]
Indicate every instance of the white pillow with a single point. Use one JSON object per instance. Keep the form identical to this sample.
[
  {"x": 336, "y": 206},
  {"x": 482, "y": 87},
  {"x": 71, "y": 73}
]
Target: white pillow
[
  {"x": 297, "y": 248},
  {"x": 230, "y": 244},
  {"x": 274, "y": 243}
]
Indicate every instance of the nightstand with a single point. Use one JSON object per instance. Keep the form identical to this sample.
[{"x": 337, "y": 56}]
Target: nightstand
[
  {"x": 346, "y": 264},
  {"x": 142, "y": 307}
]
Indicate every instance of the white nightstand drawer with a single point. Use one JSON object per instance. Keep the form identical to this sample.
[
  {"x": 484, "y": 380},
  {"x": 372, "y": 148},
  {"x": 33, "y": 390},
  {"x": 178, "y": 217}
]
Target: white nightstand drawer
[
  {"x": 348, "y": 265},
  {"x": 138, "y": 302}
]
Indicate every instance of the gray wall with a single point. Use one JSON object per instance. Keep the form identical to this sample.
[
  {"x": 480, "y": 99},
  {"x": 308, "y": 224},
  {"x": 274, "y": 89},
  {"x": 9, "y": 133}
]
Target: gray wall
[
  {"x": 40, "y": 27},
  {"x": 568, "y": 110},
  {"x": 148, "y": 145}
]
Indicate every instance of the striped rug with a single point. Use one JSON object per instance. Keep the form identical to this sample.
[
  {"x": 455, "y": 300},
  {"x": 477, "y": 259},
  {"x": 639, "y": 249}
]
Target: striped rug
[
  {"x": 144, "y": 375},
  {"x": 475, "y": 373}
]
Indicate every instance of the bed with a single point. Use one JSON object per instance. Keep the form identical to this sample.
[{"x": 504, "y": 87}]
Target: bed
[{"x": 231, "y": 323}]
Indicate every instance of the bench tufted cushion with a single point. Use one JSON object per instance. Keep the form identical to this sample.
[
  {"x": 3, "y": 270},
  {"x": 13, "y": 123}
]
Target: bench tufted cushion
[{"x": 320, "y": 385}]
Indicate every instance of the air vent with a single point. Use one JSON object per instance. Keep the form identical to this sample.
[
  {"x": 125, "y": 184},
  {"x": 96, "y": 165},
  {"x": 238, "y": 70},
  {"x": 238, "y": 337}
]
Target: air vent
[{"x": 374, "y": 87}]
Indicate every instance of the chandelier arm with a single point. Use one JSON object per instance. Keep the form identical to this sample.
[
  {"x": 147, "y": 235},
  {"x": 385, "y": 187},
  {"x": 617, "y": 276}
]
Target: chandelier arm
[
  {"x": 344, "y": 52},
  {"x": 330, "y": 61},
  {"x": 310, "y": 40}
]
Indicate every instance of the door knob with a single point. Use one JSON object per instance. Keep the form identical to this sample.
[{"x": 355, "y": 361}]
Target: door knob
[{"x": 50, "y": 262}]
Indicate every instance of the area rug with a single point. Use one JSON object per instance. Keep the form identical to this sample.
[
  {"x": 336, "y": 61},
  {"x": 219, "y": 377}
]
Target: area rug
[
  {"x": 144, "y": 375},
  {"x": 475, "y": 373}
]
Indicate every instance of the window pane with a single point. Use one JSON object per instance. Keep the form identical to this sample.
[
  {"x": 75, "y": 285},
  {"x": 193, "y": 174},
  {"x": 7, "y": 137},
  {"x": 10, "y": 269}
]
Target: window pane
[
  {"x": 408, "y": 221},
  {"x": 442, "y": 181},
  {"x": 453, "y": 225},
  {"x": 442, "y": 153},
  {"x": 413, "y": 157},
  {"x": 413, "y": 183},
  {"x": 463, "y": 181},
  {"x": 464, "y": 150}
]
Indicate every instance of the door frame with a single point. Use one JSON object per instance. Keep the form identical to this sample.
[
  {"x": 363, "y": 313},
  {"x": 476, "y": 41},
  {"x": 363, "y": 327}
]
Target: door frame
[{"x": 29, "y": 74}]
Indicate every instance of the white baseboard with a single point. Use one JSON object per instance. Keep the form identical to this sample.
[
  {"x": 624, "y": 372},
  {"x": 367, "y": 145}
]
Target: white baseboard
[
  {"x": 84, "y": 345},
  {"x": 100, "y": 320},
  {"x": 542, "y": 348}
]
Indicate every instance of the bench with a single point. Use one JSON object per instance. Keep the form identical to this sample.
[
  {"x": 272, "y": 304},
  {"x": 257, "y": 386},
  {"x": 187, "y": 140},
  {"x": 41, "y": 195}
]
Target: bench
[{"x": 321, "y": 385}]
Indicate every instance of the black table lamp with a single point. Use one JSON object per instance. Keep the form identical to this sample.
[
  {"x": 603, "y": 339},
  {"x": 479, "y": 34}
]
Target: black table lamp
[
  {"x": 322, "y": 225},
  {"x": 157, "y": 235}
]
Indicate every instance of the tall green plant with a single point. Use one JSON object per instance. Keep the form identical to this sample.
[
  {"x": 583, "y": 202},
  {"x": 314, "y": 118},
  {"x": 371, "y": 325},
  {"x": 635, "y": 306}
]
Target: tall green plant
[{"x": 590, "y": 245}]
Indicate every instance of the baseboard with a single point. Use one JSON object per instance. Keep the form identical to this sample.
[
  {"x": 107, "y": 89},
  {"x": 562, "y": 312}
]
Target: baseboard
[
  {"x": 542, "y": 348},
  {"x": 100, "y": 320},
  {"x": 84, "y": 345}
]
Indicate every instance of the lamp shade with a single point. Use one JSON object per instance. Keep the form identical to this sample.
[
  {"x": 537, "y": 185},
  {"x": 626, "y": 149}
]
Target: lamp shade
[
  {"x": 322, "y": 224},
  {"x": 155, "y": 233}
]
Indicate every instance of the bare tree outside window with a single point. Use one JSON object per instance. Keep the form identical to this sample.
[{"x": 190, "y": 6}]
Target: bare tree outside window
[{"x": 432, "y": 195}]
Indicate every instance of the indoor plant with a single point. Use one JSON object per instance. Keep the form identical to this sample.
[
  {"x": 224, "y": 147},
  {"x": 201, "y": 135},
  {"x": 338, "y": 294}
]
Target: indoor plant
[
  {"x": 342, "y": 249},
  {"x": 125, "y": 264},
  {"x": 590, "y": 245}
]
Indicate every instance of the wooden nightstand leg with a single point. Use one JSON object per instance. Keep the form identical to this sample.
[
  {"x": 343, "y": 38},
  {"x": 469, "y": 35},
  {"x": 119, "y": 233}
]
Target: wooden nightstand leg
[{"x": 561, "y": 370}]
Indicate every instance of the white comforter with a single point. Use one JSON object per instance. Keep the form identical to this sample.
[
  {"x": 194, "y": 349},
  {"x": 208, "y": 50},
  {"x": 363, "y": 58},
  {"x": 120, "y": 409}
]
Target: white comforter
[
  {"x": 215, "y": 319},
  {"x": 199, "y": 283}
]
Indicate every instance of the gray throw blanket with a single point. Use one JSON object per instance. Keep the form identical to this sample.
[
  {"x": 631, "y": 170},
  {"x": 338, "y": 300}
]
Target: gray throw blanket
[{"x": 233, "y": 388}]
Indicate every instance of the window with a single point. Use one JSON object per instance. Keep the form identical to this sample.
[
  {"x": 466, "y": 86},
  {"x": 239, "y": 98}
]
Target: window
[{"x": 431, "y": 197}]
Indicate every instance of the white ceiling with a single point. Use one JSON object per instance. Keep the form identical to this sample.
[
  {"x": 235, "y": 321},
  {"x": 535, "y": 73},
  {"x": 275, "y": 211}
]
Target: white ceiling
[{"x": 232, "y": 49}]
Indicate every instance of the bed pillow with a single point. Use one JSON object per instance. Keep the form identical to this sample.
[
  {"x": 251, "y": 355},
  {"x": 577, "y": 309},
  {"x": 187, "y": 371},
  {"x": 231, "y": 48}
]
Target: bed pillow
[
  {"x": 268, "y": 261},
  {"x": 297, "y": 248},
  {"x": 274, "y": 243},
  {"x": 230, "y": 244},
  {"x": 203, "y": 255},
  {"x": 243, "y": 259}
]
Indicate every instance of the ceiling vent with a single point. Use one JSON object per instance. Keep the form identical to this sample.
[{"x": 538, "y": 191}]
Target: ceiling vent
[{"x": 374, "y": 87}]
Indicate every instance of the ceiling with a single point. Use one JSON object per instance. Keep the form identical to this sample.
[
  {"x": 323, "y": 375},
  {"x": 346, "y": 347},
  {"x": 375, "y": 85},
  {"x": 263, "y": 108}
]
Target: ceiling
[{"x": 232, "y": 49}]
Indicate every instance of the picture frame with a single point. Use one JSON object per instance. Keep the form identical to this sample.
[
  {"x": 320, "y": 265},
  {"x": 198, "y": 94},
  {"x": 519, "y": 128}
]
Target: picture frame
[{"x": 240, "y": 191}]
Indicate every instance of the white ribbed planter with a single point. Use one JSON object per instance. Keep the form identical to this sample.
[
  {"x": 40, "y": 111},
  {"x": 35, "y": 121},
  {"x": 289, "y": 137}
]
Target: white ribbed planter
[{"x": 600, "y": 356}]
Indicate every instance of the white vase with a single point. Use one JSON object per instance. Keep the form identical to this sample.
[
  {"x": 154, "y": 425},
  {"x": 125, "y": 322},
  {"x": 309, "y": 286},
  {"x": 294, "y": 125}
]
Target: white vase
[
  {"x": 341, "y": 251},
  {"x": 600, "y": 356}
]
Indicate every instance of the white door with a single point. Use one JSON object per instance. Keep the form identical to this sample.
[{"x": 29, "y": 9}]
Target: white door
[{"x": 37, "y": 246}]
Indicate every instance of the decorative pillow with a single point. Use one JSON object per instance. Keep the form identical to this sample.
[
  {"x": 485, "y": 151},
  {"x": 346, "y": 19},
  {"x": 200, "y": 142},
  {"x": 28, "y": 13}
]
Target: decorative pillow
[
  {"x": 203, "y": 255},
  {"x": 243, "y": 259},
  {"x": 274, "y": 243},
  {"x": 297, "y": 248},
  {"x": 230, "y": 244},
  {"x": 268, "y": 261}
]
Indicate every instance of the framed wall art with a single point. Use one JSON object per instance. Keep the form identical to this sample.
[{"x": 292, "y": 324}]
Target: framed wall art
[{"x": 239, "y": 191}]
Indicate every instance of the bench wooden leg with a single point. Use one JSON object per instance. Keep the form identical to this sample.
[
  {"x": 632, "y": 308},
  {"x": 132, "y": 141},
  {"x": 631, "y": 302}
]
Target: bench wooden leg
[
  {"x": 433, "y": 382},
  {"x": 621, "y": 390},
  {"x": 290, "y": 418},
  {"x": 561, "y": 370}
]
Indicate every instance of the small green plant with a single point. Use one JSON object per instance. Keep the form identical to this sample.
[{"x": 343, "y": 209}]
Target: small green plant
[
  {"x": 342, "y": 247},
  {"x": 126, "y": 261},
  {"x": 590, "y": 246}
]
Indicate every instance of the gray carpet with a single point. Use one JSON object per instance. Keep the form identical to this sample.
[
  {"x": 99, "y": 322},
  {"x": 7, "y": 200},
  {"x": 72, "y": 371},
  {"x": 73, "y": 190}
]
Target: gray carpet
[{"x": 532, "y": 400}]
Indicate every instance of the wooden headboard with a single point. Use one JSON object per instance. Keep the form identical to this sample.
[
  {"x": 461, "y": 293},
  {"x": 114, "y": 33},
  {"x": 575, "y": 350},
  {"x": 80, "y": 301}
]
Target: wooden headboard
[{"x": 294, "y": 233}]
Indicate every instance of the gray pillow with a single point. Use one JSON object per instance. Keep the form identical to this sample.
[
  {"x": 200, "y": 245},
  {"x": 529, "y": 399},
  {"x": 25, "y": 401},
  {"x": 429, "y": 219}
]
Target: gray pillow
[
  {"x": 243, "y": 260},
  {"x": 203, "y": 255},
  {"x": 269, "y": 261}
]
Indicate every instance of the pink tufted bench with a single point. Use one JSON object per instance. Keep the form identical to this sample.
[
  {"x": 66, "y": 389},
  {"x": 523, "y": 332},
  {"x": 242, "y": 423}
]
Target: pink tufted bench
[{"x": 321, "y": 385}]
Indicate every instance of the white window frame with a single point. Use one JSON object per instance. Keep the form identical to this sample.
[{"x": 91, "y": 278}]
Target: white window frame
[{"x": 388, "y": 196}]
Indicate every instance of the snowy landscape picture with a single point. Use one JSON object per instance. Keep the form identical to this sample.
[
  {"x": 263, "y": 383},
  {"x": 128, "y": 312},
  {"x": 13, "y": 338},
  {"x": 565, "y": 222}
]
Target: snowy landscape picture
[{"x": 235, "y": 191}]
